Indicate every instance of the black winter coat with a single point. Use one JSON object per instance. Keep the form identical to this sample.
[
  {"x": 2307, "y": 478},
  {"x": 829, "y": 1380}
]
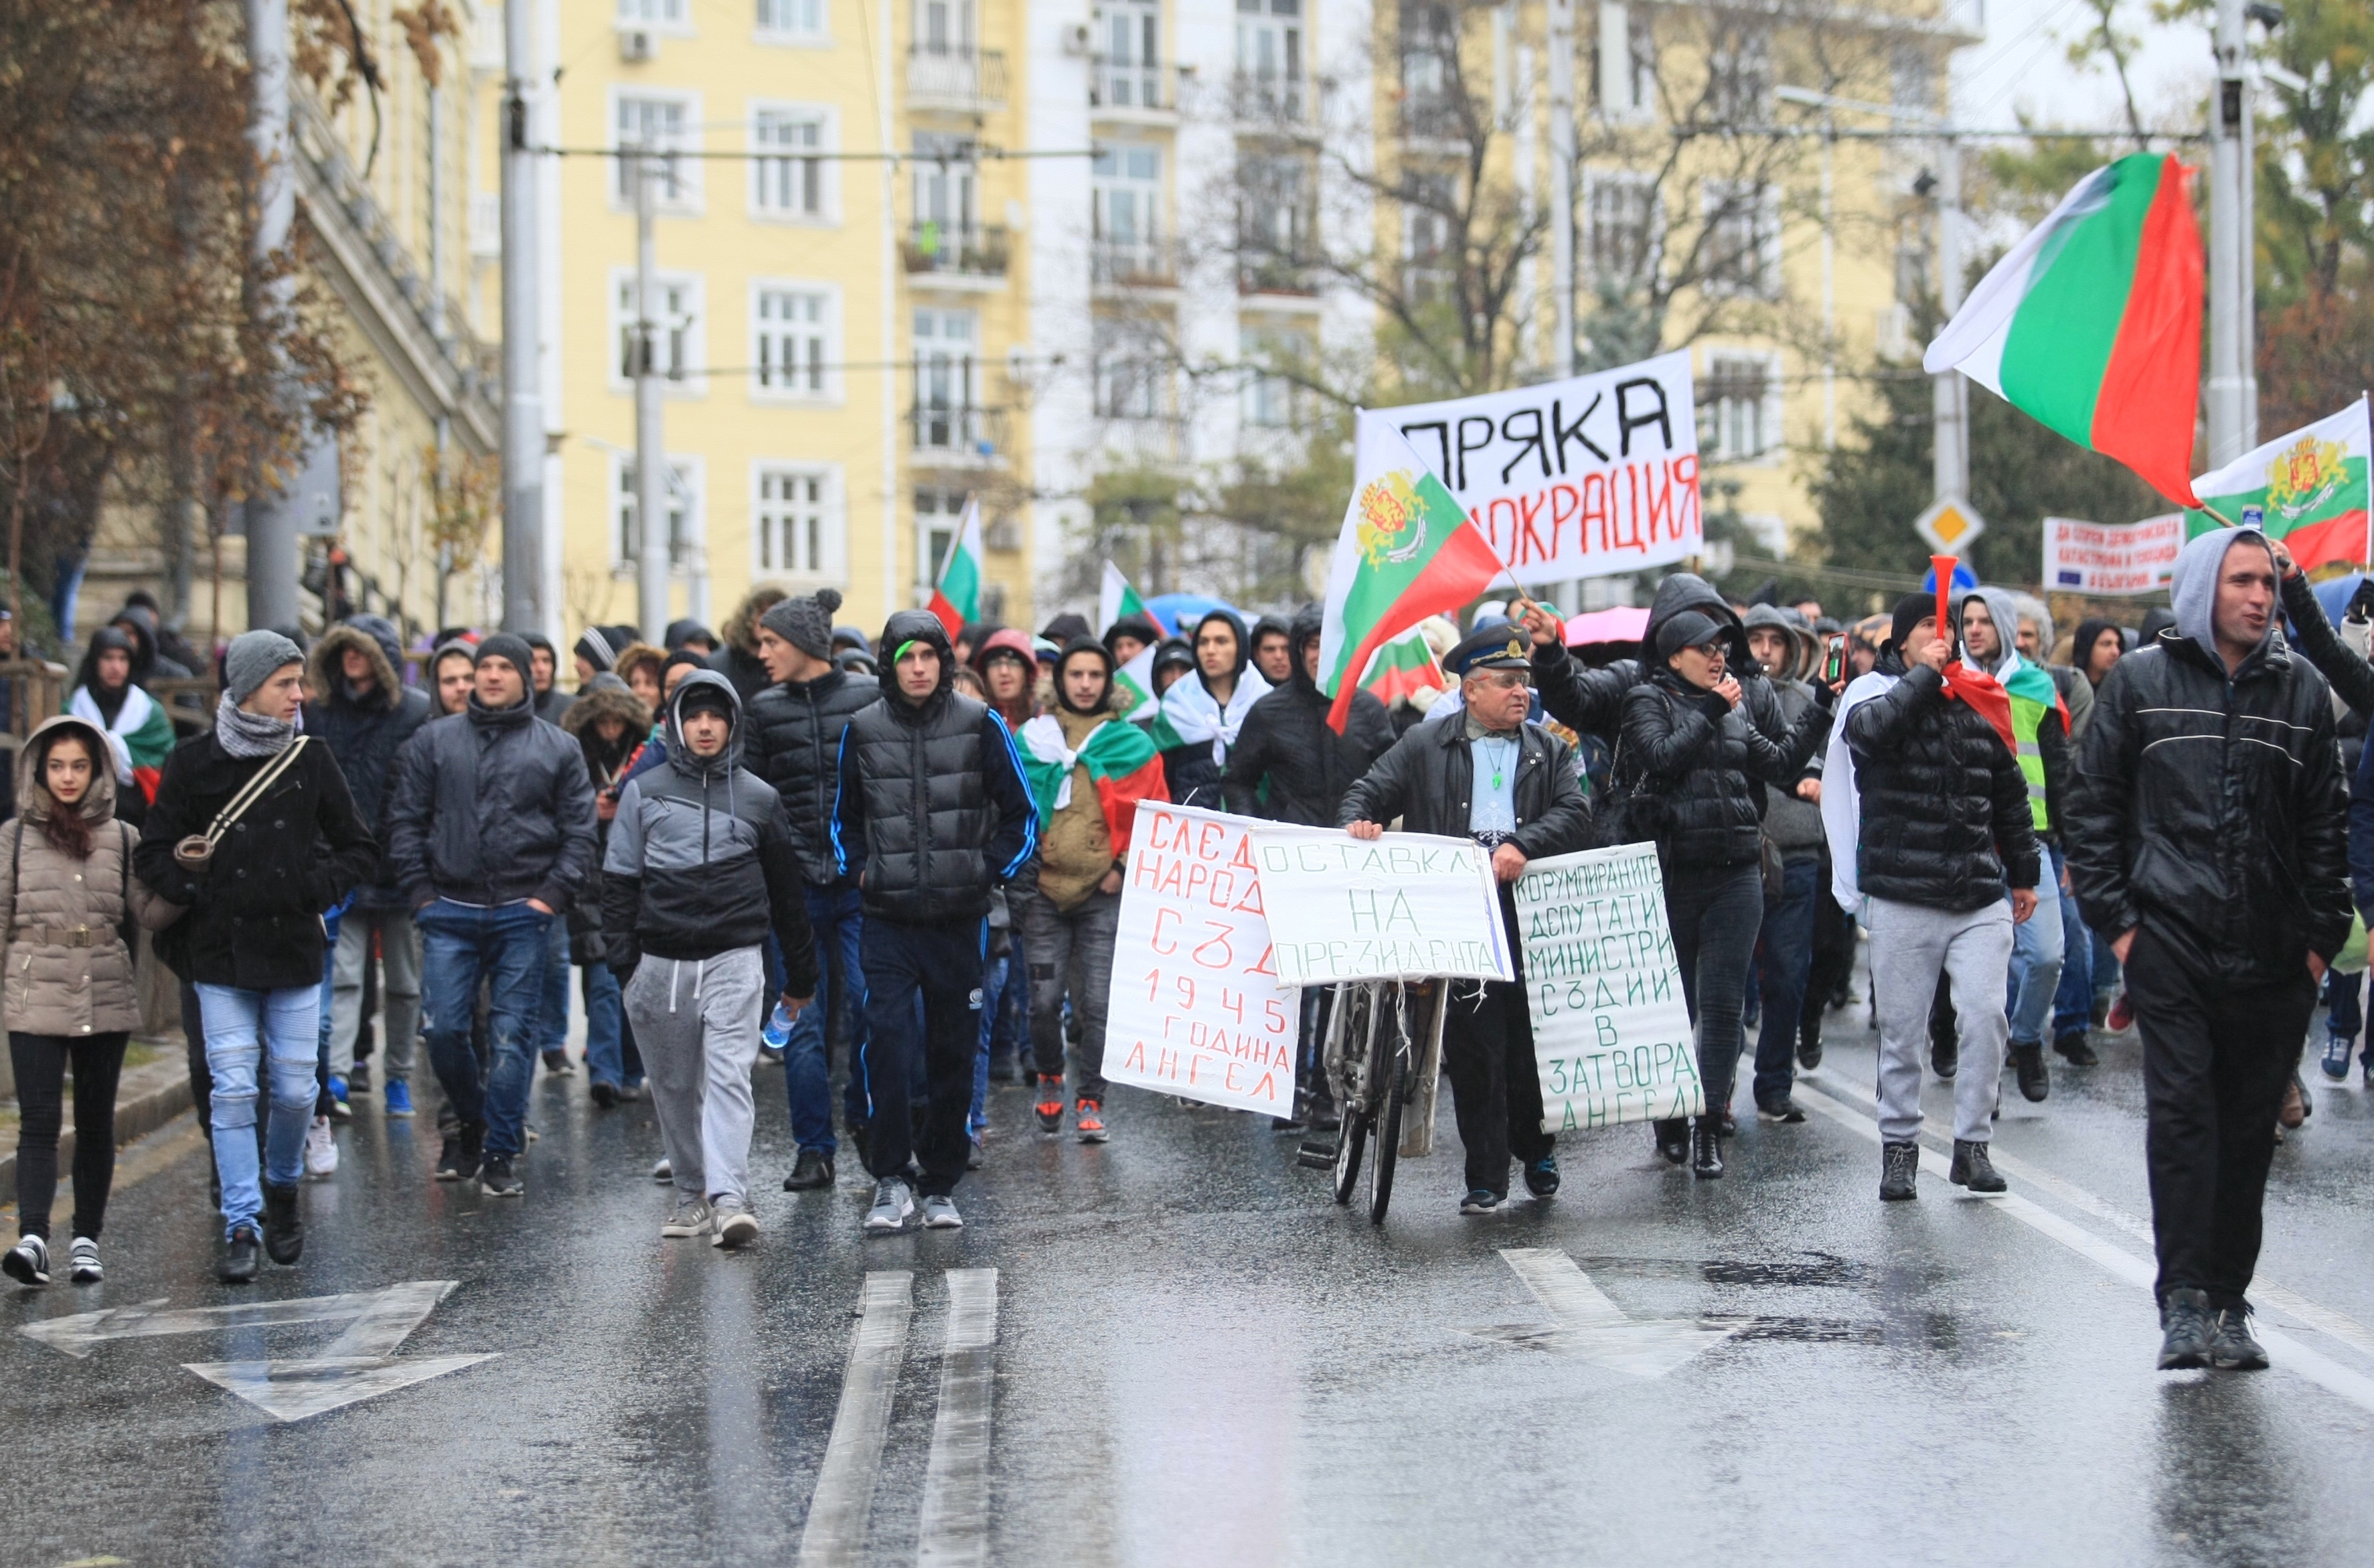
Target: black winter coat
[
  {"x": 365, "y": 734},
  {"x": 933, "y": 807},
  {"x": 1427, "y": 779},
  {"x": 795, "y": 729},
  {"x": 1706, "y": 764},
  {"x": 1945, "y": 818},
  {"x": 2213, "y": 812},
  {"x": 491, "y": 807},
  {"x": 254, "y": 917},
  {"x": 1588, "y": 701},
  {"x": 1287, "y": 739}
]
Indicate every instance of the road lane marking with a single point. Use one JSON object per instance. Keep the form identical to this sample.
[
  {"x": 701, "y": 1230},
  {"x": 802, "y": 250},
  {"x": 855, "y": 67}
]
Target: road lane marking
[
  {"x": 843, "y": 1502},
  {"x": 955, "y": 1530},
  {"x": 1588, "y": 1325},
  {"x": 2287, "y": 1353}
]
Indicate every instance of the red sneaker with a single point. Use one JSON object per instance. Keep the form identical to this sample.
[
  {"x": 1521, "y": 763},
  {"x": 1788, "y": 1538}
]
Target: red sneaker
[
  {"x": 1088, "y": 1119},
  {"x": 2122, "y": 1014},
  {"x": 1051, "y": 1102}
]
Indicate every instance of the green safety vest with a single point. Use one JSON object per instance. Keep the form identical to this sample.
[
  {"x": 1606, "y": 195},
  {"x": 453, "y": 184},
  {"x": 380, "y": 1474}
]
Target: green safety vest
[{"x": 2033, "y": 696}]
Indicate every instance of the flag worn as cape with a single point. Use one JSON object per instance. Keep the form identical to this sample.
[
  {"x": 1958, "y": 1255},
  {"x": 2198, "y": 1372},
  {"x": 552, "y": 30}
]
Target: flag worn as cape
[{"x": 1120, "y": 760}]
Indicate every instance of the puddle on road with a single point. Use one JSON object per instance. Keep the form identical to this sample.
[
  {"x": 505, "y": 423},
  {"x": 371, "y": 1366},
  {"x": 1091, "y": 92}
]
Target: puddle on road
[{"x": 1810, "y": 1269}]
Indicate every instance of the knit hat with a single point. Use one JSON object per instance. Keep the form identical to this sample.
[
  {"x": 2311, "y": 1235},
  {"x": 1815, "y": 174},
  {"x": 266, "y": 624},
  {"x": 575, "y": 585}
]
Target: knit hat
[
  {"x": 252, "y": 659},
  {"x": 1910, "y": 611},
  {"x": 805, "y": 622},
  {"x": 509, "y": 648}
]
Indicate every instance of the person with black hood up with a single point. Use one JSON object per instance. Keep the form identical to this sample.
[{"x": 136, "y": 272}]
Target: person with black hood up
[
  {"x": 364, "y": 713},
  {"x": 932, "y": 809},
  {"x": 551, "y": 701},
  {"x": 688, "y": 632},
  {"x": 149, "y": 662},
  {"x": 108, "y": 696},
  {"x": 2209, "y": 843},
  {"x": 1272, "y": 650},
  {"x": 1208, "y": 708},
  {"x": 1701, "y": 738},
  {"x": 1130, "y": 636},
  {"x": 170, "y": 645},
  {"x": 1173, "y": 662},
  {"x": 609, "y": 723}
]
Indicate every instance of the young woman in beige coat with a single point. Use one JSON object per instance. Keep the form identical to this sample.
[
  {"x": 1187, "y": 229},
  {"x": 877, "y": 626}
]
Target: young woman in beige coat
[{"x": 65, "y": 890}]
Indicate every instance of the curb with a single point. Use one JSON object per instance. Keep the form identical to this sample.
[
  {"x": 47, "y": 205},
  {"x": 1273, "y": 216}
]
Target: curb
[{"x": 149, "y": 1098}]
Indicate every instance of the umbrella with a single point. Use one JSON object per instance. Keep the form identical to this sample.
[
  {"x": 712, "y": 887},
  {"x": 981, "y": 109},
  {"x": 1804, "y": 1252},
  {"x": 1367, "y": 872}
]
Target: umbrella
[
  {"x": 1625, "y": 623},
  {"x": 1178, "y": 613}
]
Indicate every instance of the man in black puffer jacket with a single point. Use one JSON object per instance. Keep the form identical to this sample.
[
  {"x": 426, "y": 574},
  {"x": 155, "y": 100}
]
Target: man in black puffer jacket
[
  {"x": 2208, "y": 843},
  {"x": 1287, "y": 741},
  {"x": 934, "y": 810},
  {"x": 1945, "y": 828}
]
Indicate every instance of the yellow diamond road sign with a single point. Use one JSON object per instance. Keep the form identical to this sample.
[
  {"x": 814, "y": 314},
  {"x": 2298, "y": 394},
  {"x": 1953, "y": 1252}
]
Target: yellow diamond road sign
[{"x": 1949, "y": 526}]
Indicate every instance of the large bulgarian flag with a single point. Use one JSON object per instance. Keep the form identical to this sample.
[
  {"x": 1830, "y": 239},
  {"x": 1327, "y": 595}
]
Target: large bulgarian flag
[
  {"x": 1115, "y": 599},
  {"x": 1403, "y": 667},
  {"x": 1120, "y": 760},
  {"x": 1406, "y": 552},
  {"x": 956, "y": 593},
  {"x": 2308, "y": 488},
  {"x": 2092, "y": 323}
]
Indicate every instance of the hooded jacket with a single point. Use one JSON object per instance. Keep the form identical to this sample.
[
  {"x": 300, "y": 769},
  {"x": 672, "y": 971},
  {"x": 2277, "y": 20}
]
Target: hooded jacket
[
  {"x": 365, "y": 732},
  {"x": 605, "y": 696},
  {"x": 2209, "y": 807},
  {"x": 147, "y": 662},
  {"x": 1206, "y": 729},
  {"x": 1286, "y": 741},
  {"x": 492, "y": 806},
  {"x": 699, "y": 860},
  {"x": 1793, "y": 824},
  {"x": 68, "y": 971},
  {"x": 931, "y": 806},
  {"x": 1084, "y": 823},
  {"x": 551, "y": 703},
  {"x": 794, "y": 731},
  {"x": 1008, "y": 639},
  {"x": 2046, "y": 753}
]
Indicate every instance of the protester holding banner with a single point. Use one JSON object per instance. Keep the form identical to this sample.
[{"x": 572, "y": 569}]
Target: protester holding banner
[
  {"x": 1701, "y": 737},
  {"x": 1512, "y": 787},
  {"x": 1208, "y": 708}
]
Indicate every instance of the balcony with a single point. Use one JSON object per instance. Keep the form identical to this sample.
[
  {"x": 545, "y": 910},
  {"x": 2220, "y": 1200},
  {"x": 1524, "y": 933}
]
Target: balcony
[
  {"x": 1276, "y": 275},
  {"x": 955, "y": 78},
  {"x": 954, "y": 435},
  {"x": 1260, "y": 100},
  {"x": 1137, "y": 90},
  {"x": 951, "y": 251},
  {"x": 1133, "y": 263}
]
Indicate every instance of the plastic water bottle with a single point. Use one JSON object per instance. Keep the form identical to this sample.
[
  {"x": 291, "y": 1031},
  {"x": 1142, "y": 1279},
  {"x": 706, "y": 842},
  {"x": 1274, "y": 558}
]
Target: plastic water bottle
[{"x": 778, "y": 1033}]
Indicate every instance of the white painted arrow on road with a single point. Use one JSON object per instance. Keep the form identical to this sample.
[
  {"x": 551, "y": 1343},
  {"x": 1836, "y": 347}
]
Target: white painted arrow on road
[
  {"x": 355, "y": 1366},
  {"x": 1585, "y": 1324}
]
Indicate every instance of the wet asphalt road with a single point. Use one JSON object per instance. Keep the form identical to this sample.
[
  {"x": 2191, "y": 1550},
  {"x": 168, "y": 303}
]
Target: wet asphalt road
[{"x": 1199, "y": 1359}]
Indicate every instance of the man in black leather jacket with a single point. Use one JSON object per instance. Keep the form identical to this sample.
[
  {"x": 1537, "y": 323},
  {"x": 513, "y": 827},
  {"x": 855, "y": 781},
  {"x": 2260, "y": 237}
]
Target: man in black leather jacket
[
  {"x": 2208, "y": 843},
  {"x": 1440, "y": 779}
]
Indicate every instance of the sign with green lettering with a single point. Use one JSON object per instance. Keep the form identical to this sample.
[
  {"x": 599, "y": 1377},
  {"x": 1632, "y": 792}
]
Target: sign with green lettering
[{"x": 1406, "y": 906}]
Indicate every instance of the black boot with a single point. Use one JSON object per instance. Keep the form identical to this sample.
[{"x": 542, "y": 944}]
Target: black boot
[
  {"x": 1900, "y": 1172},
  {"x": 1944, "y": 1055},
  {"x": 1706, "y": 1148},
  {"x": 473, "y": 1141},
  {"x": 2076, "y": 1049},
  {"x": 240, "y": 1260},
  {"x": 284, "y": 1231},
  {"x": 2231, "y": 1347},
  {"x": 812, "y": 1170},
  {"x": 2185, "y": 1326},
  {"x": 1972, "y": 1169},
  {"x": 1672, "y": 1139},
  {"x": 2028, "y": 1065}
]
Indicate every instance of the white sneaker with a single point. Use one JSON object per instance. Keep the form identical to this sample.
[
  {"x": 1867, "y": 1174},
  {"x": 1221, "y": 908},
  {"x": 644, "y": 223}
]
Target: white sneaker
[
  {"x": 892, "y": 1204},
  {"x": 321, "y": 1150},
  {"x": 691, "y": 1218},
  {"x": 82, "y": 1259},
  {"x": 737, "y": 1226},
  {"x": 662, "y": 1171},
  {"x": 940, "y": 1214}
]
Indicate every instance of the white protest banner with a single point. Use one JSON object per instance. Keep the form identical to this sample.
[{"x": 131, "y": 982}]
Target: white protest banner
[
  {"x": 1572, "y": 478},
  {"x": 1195, "y": 1007},
  {"x": 1404, "y": 906},
  {"x": 2111, "y": 558},
  {"x": 1611, "y": 1029}
]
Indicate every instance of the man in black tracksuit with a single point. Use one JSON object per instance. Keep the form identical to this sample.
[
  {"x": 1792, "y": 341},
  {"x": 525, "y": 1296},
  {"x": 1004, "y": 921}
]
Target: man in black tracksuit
[
  {"x": 933, "y": 809},
  {"x": 2208, "y": 843}
]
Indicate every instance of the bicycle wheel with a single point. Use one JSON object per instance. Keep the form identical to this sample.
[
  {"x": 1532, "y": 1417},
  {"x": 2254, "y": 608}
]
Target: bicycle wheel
[
  {"x": 1389, "y": 1075},
  {"x": 1352, "y": 1138}
]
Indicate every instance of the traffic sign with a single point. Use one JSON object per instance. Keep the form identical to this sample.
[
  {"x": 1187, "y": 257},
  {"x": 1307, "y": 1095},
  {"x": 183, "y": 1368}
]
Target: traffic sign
[
  {"x": 1950, "y": 525},
  {"x": 1964, "y": 579}
]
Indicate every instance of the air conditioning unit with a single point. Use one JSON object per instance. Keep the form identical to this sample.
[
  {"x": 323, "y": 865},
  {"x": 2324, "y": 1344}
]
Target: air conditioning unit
[
  {"x": 1077, "y": 39},
  {"x": 638, "y": 46}
]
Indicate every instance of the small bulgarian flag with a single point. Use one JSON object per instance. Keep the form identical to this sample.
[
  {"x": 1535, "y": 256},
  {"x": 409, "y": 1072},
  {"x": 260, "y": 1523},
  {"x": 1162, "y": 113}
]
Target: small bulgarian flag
[
  {"x": 1116, "y": 599},
  {"x": 1407, "y": 550},
  {"x": 956, "y": 593},
  {"x": 1133, "y": 699},
  {"x": 2092, "y": 323},
  {"x": 1403, "y": 667},
  {"x": 1120, "y": 760},
  {"x": 2308, "y": 488}
]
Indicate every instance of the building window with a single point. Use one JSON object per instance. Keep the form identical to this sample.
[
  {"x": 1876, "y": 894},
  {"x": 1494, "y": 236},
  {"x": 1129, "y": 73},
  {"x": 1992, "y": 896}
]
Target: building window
[
  {"x": 1429, "y": 202},
  {"x": 797, "y": 525},
  {"x": 676, "y": 326},
  {"x": 1430, "y": 43},
  {"x": 683, "y": 497},
  {"x": 1743, "y": 242},
  {"x": 1130, "y": 376},
  {"x": 790, "y": 186},
  {"x": 1269, "y": 59},
  {"x": 1272, "y": 400},
  {"x": 662, "y": 125},
  {"x": 794, "y": 333},
  {"x": 1275, "y": 223},
  {"x": 1126, "y": 201},
  {"x": 948, "y": 418},
  {"x": 1742, "y": 407},
  {"x": 1622, "y": 227},
  {"x": 671, "y": 14},
  {"x": 1127, "y": 75},
  {"x": 800, "y": 21},
  {"x": 1626, "y": 56},
  {"x": 945, "y": 183},
  {"x": 1739, "y": 76},
  {"x": 1912, "y": 86}
]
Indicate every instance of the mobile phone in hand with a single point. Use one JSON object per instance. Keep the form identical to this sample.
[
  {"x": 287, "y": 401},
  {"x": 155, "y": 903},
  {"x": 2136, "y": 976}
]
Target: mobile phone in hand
[{"x": 1833, "y": 658}]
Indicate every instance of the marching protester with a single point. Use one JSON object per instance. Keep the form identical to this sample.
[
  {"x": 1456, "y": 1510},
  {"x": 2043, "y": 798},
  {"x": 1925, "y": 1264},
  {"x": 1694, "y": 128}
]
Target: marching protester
[
  {"x": 491, "y": 834},
  {"x": 609, "y": 723},
  {"x": 2207, "y": 843},
  {"x": 1699, "y": 743},
  {"x": 931, "y": 810},
  {"x": 1088, "y": 771},
  {"x": 1008, "y": 667},
  {"x": 1271, "y": 654},
  {"x": 255, "y": 834},
  {"x": 795, "y": 727},
  {"x": 739, "y": 660},
  {"x": 71, "y": 905},
  {"x": 685, "y": 634},
  {"x": 364, "y": 713},
  {"x": 1512, "y": 787},
  {"x": 1130, "y": 636},
  {"x": 550, "y": 701},
  {"x": 1936, "y": 827},
  {"x": 1793, "y": 821},
  {"x": 451, "y": 669},
  {"x": 700, "y": 867},
  {"x": 1209, "y": 707},
  {"x": 108, "y": 696}
]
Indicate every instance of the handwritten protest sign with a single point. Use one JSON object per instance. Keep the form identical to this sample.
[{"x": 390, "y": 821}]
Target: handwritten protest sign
[
  {"x": 1195, "y": 1007},
  {"x": 1572, "y": 478},
  {"x": 2114, "y": 557},
  {"x": 1405, "y": 905},
  {"x": 1611, "y": 1030}
]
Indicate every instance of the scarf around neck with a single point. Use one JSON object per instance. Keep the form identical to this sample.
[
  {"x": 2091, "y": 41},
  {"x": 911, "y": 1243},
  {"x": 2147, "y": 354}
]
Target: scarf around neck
[
  {"x": 247, "y": 735},
  {"x": 1196, "y": 716}
]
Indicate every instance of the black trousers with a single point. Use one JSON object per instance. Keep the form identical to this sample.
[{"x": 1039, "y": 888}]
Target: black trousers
[
  {"x": 41, "y": 1064},
  {"x": 1834, "y": 955},
  {"x": 2217, "y": 1059},
  {"x": 919, "y": 980},
  {"x": 1496, "y": 1085}
]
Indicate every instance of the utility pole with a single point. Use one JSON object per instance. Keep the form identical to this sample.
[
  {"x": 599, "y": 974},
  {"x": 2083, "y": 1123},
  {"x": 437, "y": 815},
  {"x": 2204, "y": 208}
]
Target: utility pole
[
  {"x": 270, "y": 514},
  {"x": 523, "y": 361},
  {"x": 651, "y": 447},
  {"x": 2233, "y": 380},
  {"x": 1561, "y": 83},
  {"x": 1951, "y": 399}
]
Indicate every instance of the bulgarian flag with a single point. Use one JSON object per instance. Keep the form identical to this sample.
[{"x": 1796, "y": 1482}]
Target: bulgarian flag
[
  {"x": 141, "y": 737},
  {"x": 2308, "y": 488},
  {"x": 1403, "y": 667},
  {"x": 956, "y": 595},
  {"x": 1406, "y": 552},
  {"x": 1120, "y": 760},
  {"x": 1116, "y": 599},
  {"x": 1133, "y": 699},
  {"x": 2092, "y": 323}
]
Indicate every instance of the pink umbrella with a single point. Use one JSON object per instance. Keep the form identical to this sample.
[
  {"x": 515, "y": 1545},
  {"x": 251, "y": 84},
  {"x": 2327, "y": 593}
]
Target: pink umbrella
[{"x": 1625, "y": 623}]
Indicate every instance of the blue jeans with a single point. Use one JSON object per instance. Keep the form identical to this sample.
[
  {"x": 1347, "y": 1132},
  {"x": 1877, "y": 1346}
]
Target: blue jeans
[
  {"x": 1000, "y": 979},
  {"x": 552, "y": 1010},
  {"x": 1784, "y": 960},
  {"x": 243, "y": 1027},
  {"x": 610, "y": 1053},
  {"x": 511, "y": 947},
  {"x": 2344, "y": 998},
  {"x": 2036, "y": 948},
  {"x": 321, "y": 1063},
  {"x": 835, "y": 916},
  {"x": 2073, "y": 1003}
]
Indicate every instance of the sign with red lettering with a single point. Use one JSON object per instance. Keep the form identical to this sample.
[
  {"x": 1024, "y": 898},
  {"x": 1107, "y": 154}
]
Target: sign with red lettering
[
  {"x": 1195, "y": 1009},
  {"x": 1579, "y": 477},
  {"x": 2111, "y": 558}
]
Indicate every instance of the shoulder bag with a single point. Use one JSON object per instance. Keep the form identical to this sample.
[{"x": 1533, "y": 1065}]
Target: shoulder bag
[{"x": 196, "y": 852}]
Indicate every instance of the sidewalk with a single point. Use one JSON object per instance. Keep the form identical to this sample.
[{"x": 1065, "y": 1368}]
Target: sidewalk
[{"x": 145, "y": 1099}]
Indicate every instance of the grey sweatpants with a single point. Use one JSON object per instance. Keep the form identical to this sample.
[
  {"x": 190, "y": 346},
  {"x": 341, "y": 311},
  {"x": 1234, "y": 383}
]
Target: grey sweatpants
[
  {"x": 697, "y": 1025},
  {"x": 399, "y": 990},
  {"x": 1910, "y": 944}
]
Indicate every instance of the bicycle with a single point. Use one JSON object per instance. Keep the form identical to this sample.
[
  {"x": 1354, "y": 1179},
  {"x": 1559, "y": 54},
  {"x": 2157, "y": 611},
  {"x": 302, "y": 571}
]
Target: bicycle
[{"x": 1382, "y": 1042}]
